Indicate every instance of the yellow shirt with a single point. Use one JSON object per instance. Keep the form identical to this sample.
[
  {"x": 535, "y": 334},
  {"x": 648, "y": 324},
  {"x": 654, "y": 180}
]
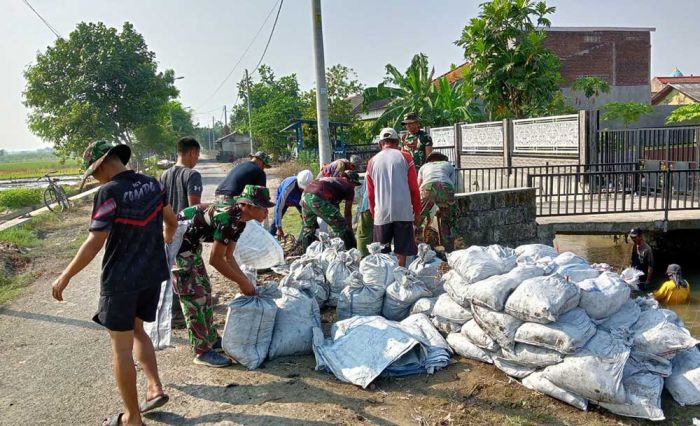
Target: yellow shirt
[{"x": 669, "y": 294}]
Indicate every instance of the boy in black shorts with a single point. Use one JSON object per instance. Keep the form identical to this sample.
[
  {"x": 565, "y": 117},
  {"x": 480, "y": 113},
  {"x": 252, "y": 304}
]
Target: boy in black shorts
[{"x": 128, "y": 215}]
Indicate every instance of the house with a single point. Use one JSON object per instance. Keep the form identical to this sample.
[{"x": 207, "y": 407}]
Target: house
[
  {"x": 675, "y": 90},
  {"x": 232, "y": 147}
]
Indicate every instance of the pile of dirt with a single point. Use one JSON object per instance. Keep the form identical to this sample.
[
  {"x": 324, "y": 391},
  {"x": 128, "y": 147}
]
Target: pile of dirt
[{"x": 12, "y": 258}]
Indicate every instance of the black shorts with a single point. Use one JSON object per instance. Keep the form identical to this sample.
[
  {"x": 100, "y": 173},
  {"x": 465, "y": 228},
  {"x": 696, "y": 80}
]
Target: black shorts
[
  {"x": 117, "y": 312},
  {"x": 402, "y": 234}
]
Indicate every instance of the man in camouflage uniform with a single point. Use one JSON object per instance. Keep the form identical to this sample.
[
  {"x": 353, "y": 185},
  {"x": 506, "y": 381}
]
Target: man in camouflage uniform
[
  {"x": 416, "y": 142},
  {"x": 321, "y": 199},
  {"x": 437, "y": 188},
  {"x": 220, "y": 224}
]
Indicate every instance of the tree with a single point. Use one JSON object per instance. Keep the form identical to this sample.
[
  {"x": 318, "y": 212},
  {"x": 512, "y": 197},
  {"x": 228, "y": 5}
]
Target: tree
[
  {"x": 160, "y": 137},
  {"x": 511, "y": 71},
  {"x": 687, "y": 113},
  {"x": 627, "y": 112},
  {"x": 97, "y": 83},
  {"x": 591, "y": 87}
]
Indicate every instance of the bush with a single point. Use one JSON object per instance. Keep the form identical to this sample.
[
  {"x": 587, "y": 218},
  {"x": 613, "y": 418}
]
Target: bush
[{"x": 20, "y": 197}]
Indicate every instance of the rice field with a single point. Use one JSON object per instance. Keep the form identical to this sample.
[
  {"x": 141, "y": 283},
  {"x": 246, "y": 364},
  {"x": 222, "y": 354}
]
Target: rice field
[{"x": 37, "y": 168}]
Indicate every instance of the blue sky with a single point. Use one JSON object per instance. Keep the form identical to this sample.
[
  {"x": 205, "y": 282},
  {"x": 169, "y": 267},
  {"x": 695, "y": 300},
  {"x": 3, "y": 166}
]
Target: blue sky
[{"x": 202, "y": 40}]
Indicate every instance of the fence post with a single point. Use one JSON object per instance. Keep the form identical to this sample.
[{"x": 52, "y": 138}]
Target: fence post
[
  {"x": 508, "y": 144},
  {"x": 458, "y": 145},
  {"x": 583, "y": 137},
  {"x": 696, "y": 139}
]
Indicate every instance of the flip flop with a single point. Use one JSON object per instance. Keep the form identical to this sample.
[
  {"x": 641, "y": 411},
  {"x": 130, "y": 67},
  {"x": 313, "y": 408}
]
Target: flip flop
[
  {"x": 154, "y": 403},
  {"x": 113, "y": 420}
]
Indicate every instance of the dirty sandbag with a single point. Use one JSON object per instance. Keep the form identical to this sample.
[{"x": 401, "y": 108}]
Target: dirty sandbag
[
  {"x": 684, "y": 382},
  {"x": 339, "y": 269},
  {"x": 316, "y": 248},
  {"x": 472, "y": 331},
  {"x": 447, "y": 309},
  {"x": 538, "y": 383},
  {"x": 499, "y": 326},
  {"x": 250, "y": 323},
  {"x": 475, "y": 264},
  {"x": 493, "y": 292},
  {"x": 400, "y": 295},
  {"x": 531, "y": 356},
  {"x": 642, "y": 393},
  {"x": 595, "y": 372},
  {"x": 569, "y": 258},
  {"x": 464, "y": 347},
  {"x": 649, "y": 362},
  {"x": 542, "y": 299},
  {"x": 566, "y": 335},
  {"x": 257, "y": 248},
  {"x": 355, "y": 256},
  {"x": 535, "y": 251},
  {"x": 621, "y": 322},
  {"x": 511, "y": 368},
  {"x": 631, "y": 276},
  {"x": 307, "y": 275},
  {"x": 505, "y": 255},
  {"x": 336, "y": 245},
  {"x": 456, "y": 286},
  {"x": 426, "y": 266},
  {"x": 603, "y": 296},
  {"x": 297, "y": 315},
  {"x": 659, "y": 332},
  {"x": 377, "y": 268},
  {"x": 576, "y": 273},
  {"x": 647, "y": 303},
  {"x": 445, "y": 326},
  {"x": 424, "y": 306},
  {"x": 359, "y": 298}
]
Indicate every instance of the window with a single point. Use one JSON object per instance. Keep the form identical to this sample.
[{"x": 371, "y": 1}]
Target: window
[{"x": 591, "y": 39}]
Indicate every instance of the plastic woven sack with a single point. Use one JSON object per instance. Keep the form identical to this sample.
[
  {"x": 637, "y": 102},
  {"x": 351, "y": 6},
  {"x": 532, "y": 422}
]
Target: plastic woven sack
[
  {"x": 297, "y": 315},
  {"x": 475, "y": 264},
  {"x": 535, "y": 251},
  {"x": 339, "y": 269},
  {"x": 500, "y": 326},
  {"x": 577, "y": 273},
  {"x": 477, "y": 336},
  {"x": 336, "y": 245},
  {"x": 532, "y": 356},
  {"x": 542, "y": 299},
  {"x": 657, "y": 331},
  {"x": 447, "y": 309},
  {"x": 462, "y": 346},
  {"x": 316, "y": 248},
  {"x": 456, "y": 287},
  {"x": 400, "y": 295},
  {"x": 684, "y": 382},
  {"x": 505, "y": 255},
  {"x": 621, "y": 322},
  {"x": 603, "y": 296},
  {"x": 424, "y": 306},
  {"x": 537, "y": 382},
  {"x": 567, "y": 335},
  {"x": 511, "y": 368},
  {"x": 426, "y": 266},
  {"x": 307, "y": 275},
  {"x": 377, "y": 268},
  {"x": 493, "y": 292},
  {"x": 642, "y": 393},
  {"x": 250, "y": 323},
  {"x": 359, "y": 298},
  {"x": 257, "y": 248}
]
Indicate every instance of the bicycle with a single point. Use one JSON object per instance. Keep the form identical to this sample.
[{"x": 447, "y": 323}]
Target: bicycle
[{"x": 55, "y": 199}]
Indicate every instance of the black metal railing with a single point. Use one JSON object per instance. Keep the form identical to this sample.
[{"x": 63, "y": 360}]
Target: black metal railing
[
  {"x": 669, "y": 144},
  {"x": 364, "y": 151},
  {"x": 562, "y": 194}
]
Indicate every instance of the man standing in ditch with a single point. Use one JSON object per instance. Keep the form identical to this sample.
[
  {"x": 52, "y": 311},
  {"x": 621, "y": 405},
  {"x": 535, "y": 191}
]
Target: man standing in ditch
[
  {"x": 416, "y": 141},
  {"x": 642, "y": 259},
  {"x": 247, "y": 173},
  {"x": 221, "y": 224},
  {"x": 128, "y": 214}
]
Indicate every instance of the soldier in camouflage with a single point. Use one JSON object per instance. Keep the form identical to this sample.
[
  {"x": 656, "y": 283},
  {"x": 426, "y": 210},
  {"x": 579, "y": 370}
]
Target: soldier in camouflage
[
  {"x": 416, "y": 141},
  {"x": 220, "y": 224},
  {"x": 437, "y": 188}
]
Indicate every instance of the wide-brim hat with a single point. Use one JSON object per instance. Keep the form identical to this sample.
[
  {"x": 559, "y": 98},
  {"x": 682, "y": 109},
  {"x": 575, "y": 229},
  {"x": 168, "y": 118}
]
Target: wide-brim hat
[
  {"x": 96, "y": 153},
  {"x": 437, "y": 156},
  {"x": 410, "y": 117},
  {"x": 262, "y": 157},
  {"x": 255, "y": 195}
]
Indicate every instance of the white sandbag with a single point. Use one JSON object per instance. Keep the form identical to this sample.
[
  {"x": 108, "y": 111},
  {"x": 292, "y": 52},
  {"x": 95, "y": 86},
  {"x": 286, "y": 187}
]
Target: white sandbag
[
  {"x": 658, "y": 332},
  {"x": 566, "y": 335},
  {"x": 684, "y": 382},
  {"x": 456, "y": 287},
  {"x": 462, "y": 346},
  {"x": 531, "y": 356},
  {"x": 447, "y": 309},
  {"x": 426, "y": 266},
  {"x": 499, "y": 326},
  {"x": 308, "y": 277},
  {"x": 631, "y": 276},
  {"x": 377, "y": 268},
  {"x": 642, "y": 394},
  {"x": 595, "y": 372},
  {"x": 297, "y": 315},
  {"x": 424, "y": 306},
  {"x": 250, "y": 323},
  {"x": 603, "y": 296},
  {"x": 339, "y": 269},
  {"x": 537, "y": 382},
  {"x": 647, "y": 303},
  {"x": 402, "y": 293},
  {"x": 257, "y": 248},
  {"x": 359, "y": 298},
  {"x": 445, "y": 326},
  {"x": 535, "y": 251},
  {"x": 569, "y": 258},
  {"x": 335, "y": 246},
  {"x": 621, "y": 322},
  {"x": 472, "y": 331},
  {"x": 316, "y": 248},
  {"x": 356, "y": 256},
  {"x": 542, "y": 299},
  {"x": 475, "y": 264},
  {"x": 505, "y": 255},
  {"x": 577, "y": 273},
  {"x": 511, "y": 368},
  {"x": 493, "y": 292},
  {"x": 602, "y": 267}
]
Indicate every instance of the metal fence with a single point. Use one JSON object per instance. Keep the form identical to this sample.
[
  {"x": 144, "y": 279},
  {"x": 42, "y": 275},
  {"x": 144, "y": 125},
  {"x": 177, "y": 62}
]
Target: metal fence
[
  {"x": 669, "y": 144},
  {"x": 364, "y": 151}
]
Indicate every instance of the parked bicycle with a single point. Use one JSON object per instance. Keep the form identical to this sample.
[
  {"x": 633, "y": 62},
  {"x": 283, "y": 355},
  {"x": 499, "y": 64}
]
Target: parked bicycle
[{"x": 55, "y": 199}]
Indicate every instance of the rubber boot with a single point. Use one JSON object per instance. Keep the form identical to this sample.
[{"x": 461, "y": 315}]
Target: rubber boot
[{"x": 349, "y": 239}]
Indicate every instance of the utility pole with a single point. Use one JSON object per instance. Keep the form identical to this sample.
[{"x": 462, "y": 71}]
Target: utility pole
[
  {"x": 324, "y": 144},
  {"x": 213, "y": 134},
  {"x": 250, "y": 117},
  {"x": 225, "y": 118}
]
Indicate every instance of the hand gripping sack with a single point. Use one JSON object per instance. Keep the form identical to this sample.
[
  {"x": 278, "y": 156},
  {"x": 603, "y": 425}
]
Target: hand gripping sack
[
  {"x": 297, "y": 315},
  {"x": 250, "y": 323},
  {"x": 377, "y": 268},
  {"x": 658, "y": 332},
  {"x": 339, "y": 269},
  {"x": 475, "y": 264},
  {"x": 684, "y": 382},
  {"x": 477, "y": 336},
  {"x": 426, "y": 266},
  {"x": 603, "y": 296},
  {"x": 462, "y": 346},
  {"x": 359, "y": 298},
  {"x": 566, "y": 335},
  {"x": 424, "y": 306},
  {"x": 456, "y": 287},
  {"x": 542, "y": 299},
  {"x": 537, "y": 382},
  {"x": 499, "y": 326},
  {"x": 400, "y": 295},
  {"x": 493, "y": 292}
]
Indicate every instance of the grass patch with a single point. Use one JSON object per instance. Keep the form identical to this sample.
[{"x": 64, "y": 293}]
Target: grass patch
[
  {"x": 17, "y": 198},
  {"x": 22, "y": 235},
  {"x": 37, "y": 168},
  {"x": 12, "y": 286}
]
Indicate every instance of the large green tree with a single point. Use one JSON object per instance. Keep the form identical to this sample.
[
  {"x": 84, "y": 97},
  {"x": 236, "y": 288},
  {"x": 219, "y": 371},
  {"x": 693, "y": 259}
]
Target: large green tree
[
  {"x": 511, "y": 71},
  {"x": 97, "y": 83},
  {"x": 160, "y": 136},
  {"x": 590, "y": 86}
]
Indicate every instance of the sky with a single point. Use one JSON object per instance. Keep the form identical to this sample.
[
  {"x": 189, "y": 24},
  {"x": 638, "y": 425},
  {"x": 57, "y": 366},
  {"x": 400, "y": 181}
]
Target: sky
[{"x": 203, "y": 40}]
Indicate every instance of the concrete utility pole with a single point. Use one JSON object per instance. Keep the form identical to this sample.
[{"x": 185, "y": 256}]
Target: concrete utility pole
[
  {"x": 250, "y": 118},
  {"x": 324, "y": 143},
  {"x": 213, "y": 133}
]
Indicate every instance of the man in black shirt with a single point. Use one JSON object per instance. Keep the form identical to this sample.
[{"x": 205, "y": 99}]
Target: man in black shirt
[
  {"x": 128, "y": 214},
  {"x": 247, "y": 173},
  {"x": 642, "y": 259}
]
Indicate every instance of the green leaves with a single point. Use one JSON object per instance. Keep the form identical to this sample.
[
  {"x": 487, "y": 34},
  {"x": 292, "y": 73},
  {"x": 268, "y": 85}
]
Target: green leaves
[
  {"x": 687, "y": 113},
  {"x": 628, "y": 112},
  {"x": 590, "y": 86}
]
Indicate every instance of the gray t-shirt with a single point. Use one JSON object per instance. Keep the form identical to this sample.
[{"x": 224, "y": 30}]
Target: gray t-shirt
[
  {"x": 180, "y": 182},
  {"x": 437, "y": 171},
  {"x": 392, "y": 196}
]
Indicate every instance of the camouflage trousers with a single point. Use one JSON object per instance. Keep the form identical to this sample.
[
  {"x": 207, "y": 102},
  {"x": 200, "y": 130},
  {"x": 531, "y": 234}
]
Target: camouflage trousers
[
  {"x": 191, "y": 283},
  {"x": 313, "y": 206},
  {"x": 442, "y": 195},
  {"x": 364, "y": 232}
]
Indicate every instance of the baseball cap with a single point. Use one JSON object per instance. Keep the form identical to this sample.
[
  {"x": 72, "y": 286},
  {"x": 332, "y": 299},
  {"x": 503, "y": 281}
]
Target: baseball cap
[
  {"x": 304, "y": 177},
  {"x": 262, "y": 157},
  {"x": 388, "y": 133},
  {"x": 96, "y": 153},
  {"x": 635, "y": 232},
  {"x": 255, "y": 195}
]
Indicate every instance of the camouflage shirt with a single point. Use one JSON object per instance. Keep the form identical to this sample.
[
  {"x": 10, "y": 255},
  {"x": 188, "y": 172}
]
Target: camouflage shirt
[
  {"x": 214, "y": 222},
  {"x": 422, "y": 140}
]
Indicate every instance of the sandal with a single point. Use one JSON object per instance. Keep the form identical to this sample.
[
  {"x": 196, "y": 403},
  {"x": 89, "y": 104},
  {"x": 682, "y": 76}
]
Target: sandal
[
  {"x": 114, "y": 420},
  {"x": 154, "y": 403}
]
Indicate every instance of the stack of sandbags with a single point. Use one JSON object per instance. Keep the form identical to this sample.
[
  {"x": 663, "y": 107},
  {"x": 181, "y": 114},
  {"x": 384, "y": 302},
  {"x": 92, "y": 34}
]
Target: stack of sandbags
[
  {"x": 338, "y": 270},
  {"x": 307, "y": 274},
  {"x": 400, "y": 295},
  {"x": 359, "y": 298}
]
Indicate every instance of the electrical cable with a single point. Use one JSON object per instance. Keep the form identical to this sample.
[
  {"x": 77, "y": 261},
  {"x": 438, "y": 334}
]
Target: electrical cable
[
  {"x": 274, "y": 25},
  {"x": 49, "y": 26}
]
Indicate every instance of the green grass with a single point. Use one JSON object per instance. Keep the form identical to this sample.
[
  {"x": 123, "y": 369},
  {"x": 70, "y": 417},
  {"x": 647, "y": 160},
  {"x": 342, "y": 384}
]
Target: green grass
[
  {"x": 37, "y": 168},
  {"x": 16, "y": 198},
  {"x": 12, "y": 286},
  {"x": 23, "y": 235}
]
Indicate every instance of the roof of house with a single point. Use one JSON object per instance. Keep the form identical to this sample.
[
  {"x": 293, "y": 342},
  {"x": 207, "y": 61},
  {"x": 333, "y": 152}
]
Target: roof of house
[
  {"x": 455, "y": 74},
  {"x": 356, "y": 102},
  {"x": 691, "y": 90},
  {"x": 679, "y": 80},
  {"x": 601, "y": 29}
]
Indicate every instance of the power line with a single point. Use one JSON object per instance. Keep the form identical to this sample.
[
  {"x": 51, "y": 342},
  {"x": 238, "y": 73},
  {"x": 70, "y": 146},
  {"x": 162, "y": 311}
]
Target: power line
[
  {"x": 49, "y": 26},
  {"x": 244, "y": 53},
  {"x": 274, "y": 25}
]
